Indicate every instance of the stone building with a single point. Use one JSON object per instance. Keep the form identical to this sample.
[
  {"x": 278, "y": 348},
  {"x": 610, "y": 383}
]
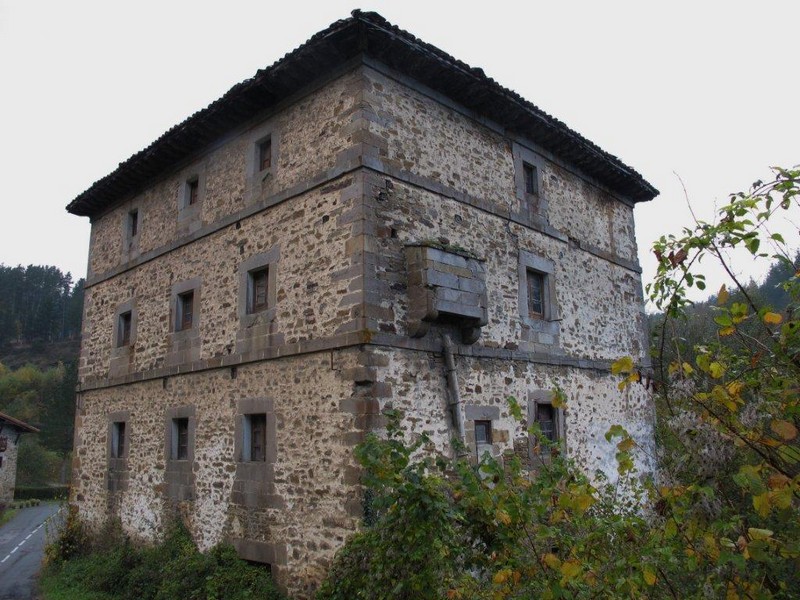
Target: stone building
[
  {"x": 11, "y": 430},
  {"x": 271, "y": 273}
]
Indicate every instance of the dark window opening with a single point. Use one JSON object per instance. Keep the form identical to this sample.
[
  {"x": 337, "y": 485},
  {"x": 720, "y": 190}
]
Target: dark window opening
[
  {"x": 483, "y": 432},
  {"x": 257, "y": 424},
  {"x": 180, "y": 431},
  {"x": 258, "y": 288},
  {"x": 265, "y": 154},
  {"x": 536, "y": 304},
  {"x": 124, "y": 331},
  {"x": 545, "y": 416},
  {"x": 185, "y": 310},
  {"x": 118, "y": 440},
  {"x": 192, "y": 191},
  {"x": 531, "y": 178},
  {"x": 133, "y": 223}
]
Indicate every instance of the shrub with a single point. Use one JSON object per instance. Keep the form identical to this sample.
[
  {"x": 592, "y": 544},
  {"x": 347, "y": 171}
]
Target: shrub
[{"x": 111, "y": 564}]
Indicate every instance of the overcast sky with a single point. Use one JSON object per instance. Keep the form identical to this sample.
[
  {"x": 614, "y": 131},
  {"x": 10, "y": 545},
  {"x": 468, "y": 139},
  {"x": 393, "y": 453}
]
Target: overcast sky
[{"x": 704, "y": 90}]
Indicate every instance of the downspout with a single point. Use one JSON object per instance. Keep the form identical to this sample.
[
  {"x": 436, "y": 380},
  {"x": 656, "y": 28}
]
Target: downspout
[{"x": 454, "y": 397}]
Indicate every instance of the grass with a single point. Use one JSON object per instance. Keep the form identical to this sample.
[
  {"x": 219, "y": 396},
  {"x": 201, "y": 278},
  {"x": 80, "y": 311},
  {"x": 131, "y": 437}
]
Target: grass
[{"x": 7, "y": 515}]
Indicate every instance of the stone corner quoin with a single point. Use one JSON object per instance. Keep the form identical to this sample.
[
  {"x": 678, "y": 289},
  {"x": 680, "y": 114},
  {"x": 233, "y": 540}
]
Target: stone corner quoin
[{"x": 271, "y": 275}]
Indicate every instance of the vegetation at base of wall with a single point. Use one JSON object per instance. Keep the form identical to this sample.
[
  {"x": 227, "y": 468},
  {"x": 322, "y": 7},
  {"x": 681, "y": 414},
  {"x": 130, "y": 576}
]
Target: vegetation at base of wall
[
  {"x": 54, "y": 492},
  {"x": 6, "y": 513},
  {"x": 722, "y": 521},
  {"x": 110, "y": 565}
]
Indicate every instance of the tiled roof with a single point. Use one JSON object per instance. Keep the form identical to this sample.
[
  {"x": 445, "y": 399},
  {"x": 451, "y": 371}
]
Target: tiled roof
[
  {"x": 372, "y": 35},
  {"x": 22, "y": 426}
]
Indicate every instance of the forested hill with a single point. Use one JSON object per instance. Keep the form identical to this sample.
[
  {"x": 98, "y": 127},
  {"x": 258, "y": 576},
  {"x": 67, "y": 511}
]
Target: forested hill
[
  {"x": 40, "y": 315},
  {"x": 40, "y": 327}
]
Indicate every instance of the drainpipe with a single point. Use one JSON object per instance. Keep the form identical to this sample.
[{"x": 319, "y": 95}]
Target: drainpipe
[{"x": 452, "y": 392}]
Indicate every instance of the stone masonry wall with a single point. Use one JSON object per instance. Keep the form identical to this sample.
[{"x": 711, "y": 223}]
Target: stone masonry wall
[
  {"x": 313, "y": 506},
  {"x": 318, "y": 121},
  {"x": 417, "y": 382},
  {"x": 8, "y": 472},
  {"x": 311, "y": 233},
  {"x": 442, "y": 145},
  {"x": 599, "y": 302}
]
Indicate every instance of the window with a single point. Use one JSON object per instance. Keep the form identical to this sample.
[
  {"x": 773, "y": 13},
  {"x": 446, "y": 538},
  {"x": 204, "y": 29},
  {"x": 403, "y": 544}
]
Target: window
[
  {"x": 551, "y": 424},
  {"x": 118, "y": 440},
  {"x": 531, "y": 178},
  {"x": 265, "y": 154},
  {"x": 257, "y": 287},
  {"x": 546, "y": 420},
  {"x": 133, "y": 223},
  {"x": 528, "y": 181},
  {"x": 538, "y": 303},
  {"x": 180, "y": 439},
  {"x": 536, "y": 293},
  {"x": 185, "y": 311},
  {"x": 255, "y": 438},
  {"x": 124, "y": 329},
  {"x": 483, "y": 432},
  {"x": 192, "y": 191}
]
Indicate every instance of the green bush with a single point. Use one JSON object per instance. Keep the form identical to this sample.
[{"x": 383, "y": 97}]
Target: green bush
[
  {"x": 110, "y": 565},
  {"x": 54, "y": 492}
]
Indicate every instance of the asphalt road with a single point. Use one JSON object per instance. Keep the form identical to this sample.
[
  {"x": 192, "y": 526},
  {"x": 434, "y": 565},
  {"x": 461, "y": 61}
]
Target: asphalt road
[{"x": 22, "y": 543}]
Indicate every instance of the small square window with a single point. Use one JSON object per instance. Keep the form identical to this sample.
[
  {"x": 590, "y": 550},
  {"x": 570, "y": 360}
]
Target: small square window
[
  {"x": 118, "y": 440},
  {"x": 265, "y": 154},
  {"x": 133, "y": 223},
  {"x": 192, "y": 191},
  {"x": 124, "y": 329},
  {"x": 536, "y": 293},
  {"x": 185, "y": 311},
  {"x": 180, "y": 439},
  {"x": 257, "y": 288},
  {"x": 531, "y": 177},
  {"x": 255, "y": 438}
]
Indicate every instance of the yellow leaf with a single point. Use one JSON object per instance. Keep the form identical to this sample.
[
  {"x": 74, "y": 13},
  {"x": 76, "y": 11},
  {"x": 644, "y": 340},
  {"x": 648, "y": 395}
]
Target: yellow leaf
[
  {"x": 503, "y": 517},
  {"x": 735, "y": 387},
  {"x": 501, "y": 576},
  {"x": 649, "y": 575},
  {"x": 762, "y": 504},
  {"x": 673, "y": 368},
  {"x": 584, "y": 501},
  {"x": 551, "y": 560},
  {"x": 716, "y": 370},
  {"x": 623, "y": 365},
  {"x": 625, "y": 445},
  {"x": 772, "y": 318},
  {"x": 782, "y": 498},
  {"x": 725, "y": 331},
  {"x": 570, "y": 568},
  {"x": 722, "y": 295},
  {"x": 784, "y": 429},
  {"x": 759, "y": 534},
  {"x": 687, "y": 369}
]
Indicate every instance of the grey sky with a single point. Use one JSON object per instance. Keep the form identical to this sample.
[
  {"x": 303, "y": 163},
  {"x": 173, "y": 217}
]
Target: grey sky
[{"x": 706, "y": 90}]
